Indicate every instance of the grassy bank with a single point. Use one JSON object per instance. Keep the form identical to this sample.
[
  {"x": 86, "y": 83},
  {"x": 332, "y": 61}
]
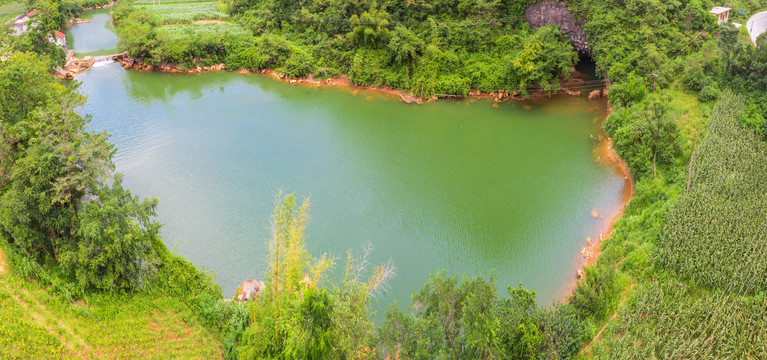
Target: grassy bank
[
  {"x": 39, "y": 321},
  {"x": 11, "y": 9}
]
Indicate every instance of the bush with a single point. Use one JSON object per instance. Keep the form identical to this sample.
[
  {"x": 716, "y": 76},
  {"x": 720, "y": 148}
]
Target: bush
[
  {"x": 709, "y": 93},
  {"x": 464, "y": 319},
  {"x": 238, "y": 322},
  {"x": 628, "y": 92},
  {"x": 116, "y": 232}
]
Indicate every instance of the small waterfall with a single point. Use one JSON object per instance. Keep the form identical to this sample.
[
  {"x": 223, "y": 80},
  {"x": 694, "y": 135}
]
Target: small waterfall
[{"x": 105, "y": 59}]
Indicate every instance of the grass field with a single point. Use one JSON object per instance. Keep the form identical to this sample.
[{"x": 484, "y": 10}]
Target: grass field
[
  {"x": 9, "y": 10},
  {"x": 39, "y": 324},
  {"x": 168, "y": 14},
  {"x": 691, "y": 116},
  {"x": 201, "y": 30}
]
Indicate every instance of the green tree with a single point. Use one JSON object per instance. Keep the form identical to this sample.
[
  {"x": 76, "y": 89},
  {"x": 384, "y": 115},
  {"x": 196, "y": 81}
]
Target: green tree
[
  {"x": 404, "y": 46},
  {"x": 646, "y": 135},
  {"x": 545, "y": 57},
  {"x": 51, "y": 161},
  {"x": 370, "y": 28},
  {"x": 115, "y": 237}
]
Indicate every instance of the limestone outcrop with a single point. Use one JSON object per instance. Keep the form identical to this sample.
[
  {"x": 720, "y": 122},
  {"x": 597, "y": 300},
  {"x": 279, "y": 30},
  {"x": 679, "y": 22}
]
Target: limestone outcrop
[{"x": 557, "y": 13}]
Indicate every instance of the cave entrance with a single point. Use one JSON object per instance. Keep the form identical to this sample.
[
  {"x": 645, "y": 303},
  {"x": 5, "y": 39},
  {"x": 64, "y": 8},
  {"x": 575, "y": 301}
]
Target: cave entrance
[{"x": 587, "y": 67}]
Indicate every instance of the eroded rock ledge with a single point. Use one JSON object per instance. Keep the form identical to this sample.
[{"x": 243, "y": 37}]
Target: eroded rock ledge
[{"x": 556, "y": 13}]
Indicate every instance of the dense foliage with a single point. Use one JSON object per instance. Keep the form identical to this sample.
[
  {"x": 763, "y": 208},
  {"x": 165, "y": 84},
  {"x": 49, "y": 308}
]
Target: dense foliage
[
  {"x": 427, "y": 48},
  {"x": 745, "y": 69},
  {"x": 638, "y": 37},
  {"x": 465, "y": 319}
]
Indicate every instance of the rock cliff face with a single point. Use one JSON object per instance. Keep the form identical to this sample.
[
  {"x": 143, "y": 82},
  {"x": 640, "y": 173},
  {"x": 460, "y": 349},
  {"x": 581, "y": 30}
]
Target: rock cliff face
[{"x": 556, "y": 13}]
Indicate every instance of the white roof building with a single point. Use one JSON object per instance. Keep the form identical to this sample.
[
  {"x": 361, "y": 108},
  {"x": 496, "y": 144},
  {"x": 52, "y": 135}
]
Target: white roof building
[{"x": 722, "y": 13}]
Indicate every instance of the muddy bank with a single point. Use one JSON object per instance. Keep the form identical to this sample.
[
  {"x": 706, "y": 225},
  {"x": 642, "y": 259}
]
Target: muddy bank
[{"x": 591, "y": 249}]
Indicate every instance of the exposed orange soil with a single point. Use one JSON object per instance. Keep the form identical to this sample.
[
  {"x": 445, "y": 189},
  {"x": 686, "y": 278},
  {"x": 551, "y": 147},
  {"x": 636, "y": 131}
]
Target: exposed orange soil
[
  {"x": 200, "y": 22},
  {"x": 605, "y": 153}
]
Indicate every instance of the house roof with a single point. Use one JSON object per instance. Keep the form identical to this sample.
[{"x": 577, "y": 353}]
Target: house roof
[
  {"x": 59, "y": 34},
  {"x": 32, "y": 13},
  {"x": 716, "y": 10}
]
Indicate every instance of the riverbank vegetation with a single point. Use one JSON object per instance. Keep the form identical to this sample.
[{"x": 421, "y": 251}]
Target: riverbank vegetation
[
  {"x": 681, "y": 276},
  {"x": 63, "y": 207},
  {"x": 429, "y": 48},
  {"x": 667, "y": 282}
]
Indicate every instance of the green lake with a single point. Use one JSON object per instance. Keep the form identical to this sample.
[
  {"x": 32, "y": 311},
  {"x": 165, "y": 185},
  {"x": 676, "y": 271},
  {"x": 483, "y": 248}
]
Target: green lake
[{"x": 461, "y": 186}]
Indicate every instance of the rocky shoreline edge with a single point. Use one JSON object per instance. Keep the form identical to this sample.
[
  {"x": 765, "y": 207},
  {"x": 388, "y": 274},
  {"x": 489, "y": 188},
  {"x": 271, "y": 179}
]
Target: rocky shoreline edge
[{"x": 76, "y": 65}]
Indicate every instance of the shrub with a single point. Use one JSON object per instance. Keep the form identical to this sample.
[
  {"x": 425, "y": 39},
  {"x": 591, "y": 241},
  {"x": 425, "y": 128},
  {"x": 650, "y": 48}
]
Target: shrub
[
  {"x": 709, "y": 93},
  {"x": 116, "y": 232}
]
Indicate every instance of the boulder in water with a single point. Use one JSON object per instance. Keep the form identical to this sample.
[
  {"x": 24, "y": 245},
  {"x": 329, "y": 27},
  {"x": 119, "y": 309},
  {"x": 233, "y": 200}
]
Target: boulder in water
[{"x": 249, "y": 290}]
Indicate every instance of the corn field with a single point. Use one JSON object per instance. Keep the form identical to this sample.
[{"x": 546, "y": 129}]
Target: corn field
[
  {"x": 716, "y": 234},
  {"x": 670, "y": 321},
  {"x": 715, "y": 238}
]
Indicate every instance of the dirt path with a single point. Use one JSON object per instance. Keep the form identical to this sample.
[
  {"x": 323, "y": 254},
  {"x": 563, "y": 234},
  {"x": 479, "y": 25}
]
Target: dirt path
[
  {"x": 624, "y": 296},
  {"x": 3, "y": 263},
  {"x": 40, "y": 315},
  {"x": 214, "y": 21}
]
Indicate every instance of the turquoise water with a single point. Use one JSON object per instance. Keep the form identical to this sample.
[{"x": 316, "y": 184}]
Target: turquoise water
[
  {"x": 94, "y": 38},
  {"x": 454, "y": 185}
]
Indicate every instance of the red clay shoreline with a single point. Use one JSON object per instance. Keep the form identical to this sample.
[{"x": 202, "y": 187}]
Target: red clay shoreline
[
  {"x": 343, "y": 81},
  {"x": 607, "y": 153}
]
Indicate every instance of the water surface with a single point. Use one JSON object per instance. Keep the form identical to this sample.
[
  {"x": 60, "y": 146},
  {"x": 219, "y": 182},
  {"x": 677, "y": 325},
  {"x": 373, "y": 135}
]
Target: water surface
[
  {"x": 454, "y": 185},
  {"x": 94, "y": 38}
]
